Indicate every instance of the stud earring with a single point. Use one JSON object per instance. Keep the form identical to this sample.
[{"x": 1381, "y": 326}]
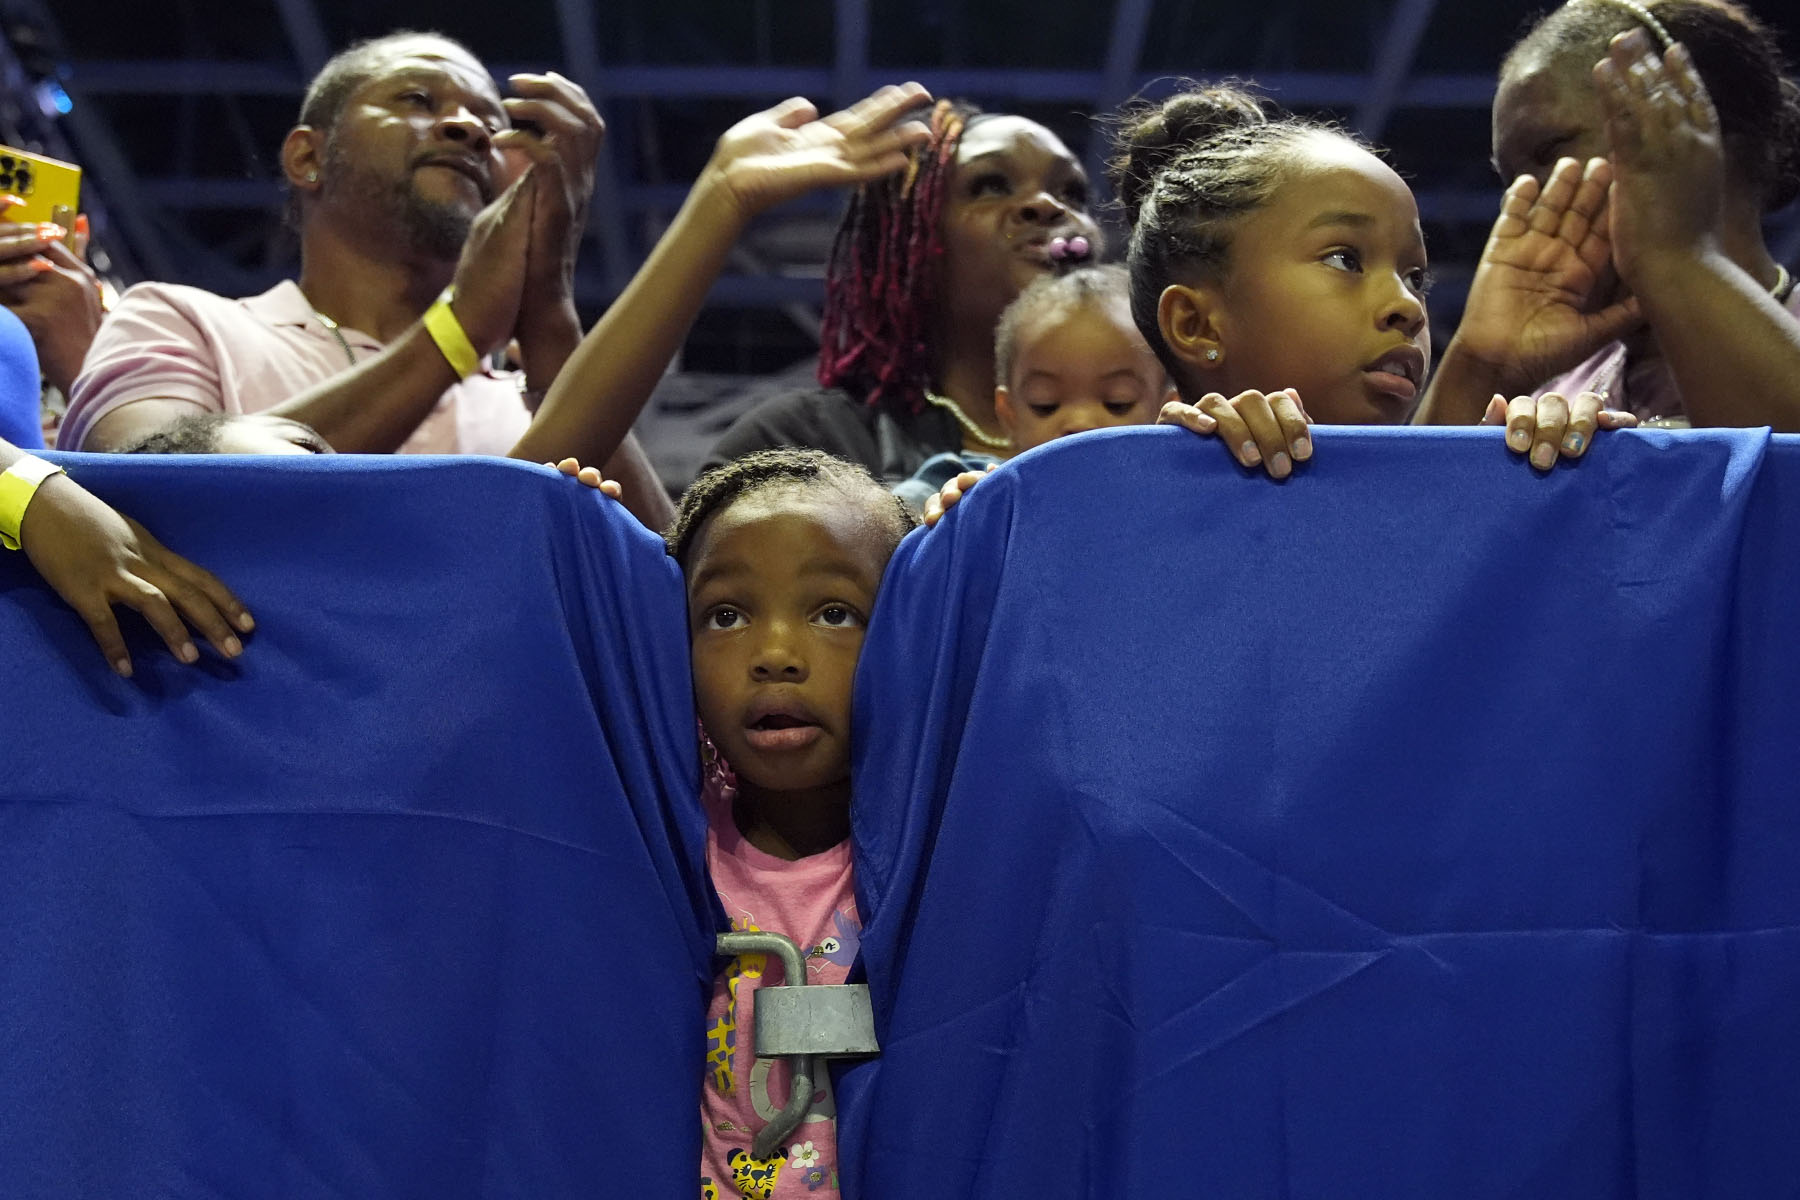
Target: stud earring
[
  {"x": 312, "y": 177},
  {"x": 1212, "y": 356}
]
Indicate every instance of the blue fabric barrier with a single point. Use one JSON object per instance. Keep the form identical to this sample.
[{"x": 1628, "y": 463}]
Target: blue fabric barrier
[
  {"x": 1417, "y": 827},
  {"x": 21, "y": 401},
  {"x": 375, "y": 910}
]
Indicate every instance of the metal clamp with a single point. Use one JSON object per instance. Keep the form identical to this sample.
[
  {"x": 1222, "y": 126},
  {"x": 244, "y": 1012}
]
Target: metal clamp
[{"x": 802, "y": 1023}]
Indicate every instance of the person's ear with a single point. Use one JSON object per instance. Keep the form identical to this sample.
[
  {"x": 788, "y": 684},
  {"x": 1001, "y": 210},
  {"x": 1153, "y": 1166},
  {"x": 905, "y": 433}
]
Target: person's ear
[
  {"x": 303, "y": 159},
  {"x": 1003, "y": 408},
  {"x": 1190, "y": 320}
]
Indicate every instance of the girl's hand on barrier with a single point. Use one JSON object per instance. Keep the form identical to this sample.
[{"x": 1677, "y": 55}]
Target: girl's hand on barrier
[
  {"x": 1260, "y": 429},
  {"x": 1548, "y": 426},
  {"x": 946, "y": 497},
  {"x": 589, "y": 476},
  {"x": 95, "y": 559}
]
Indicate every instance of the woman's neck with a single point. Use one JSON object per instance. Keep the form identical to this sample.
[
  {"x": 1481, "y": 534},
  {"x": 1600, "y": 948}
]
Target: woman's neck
[
  {"x": 793, "y": 825},
  {"x": 964, "y": 373}
]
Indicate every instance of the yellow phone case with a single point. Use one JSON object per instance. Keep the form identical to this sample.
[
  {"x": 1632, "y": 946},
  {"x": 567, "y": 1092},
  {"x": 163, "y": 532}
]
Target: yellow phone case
[{"x": 47, "y": 186}]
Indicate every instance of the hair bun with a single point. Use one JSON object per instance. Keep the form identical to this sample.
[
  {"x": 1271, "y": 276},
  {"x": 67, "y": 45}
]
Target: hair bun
[{"x": 1148, "y": 136}]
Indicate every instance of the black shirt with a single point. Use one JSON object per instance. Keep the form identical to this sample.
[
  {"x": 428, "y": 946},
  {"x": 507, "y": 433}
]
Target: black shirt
[{"x": 891, "y": 445}]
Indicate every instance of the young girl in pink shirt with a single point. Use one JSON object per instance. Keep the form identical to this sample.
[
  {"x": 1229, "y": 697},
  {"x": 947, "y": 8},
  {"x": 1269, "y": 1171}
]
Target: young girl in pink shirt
[{"x": 783, "y": 551}]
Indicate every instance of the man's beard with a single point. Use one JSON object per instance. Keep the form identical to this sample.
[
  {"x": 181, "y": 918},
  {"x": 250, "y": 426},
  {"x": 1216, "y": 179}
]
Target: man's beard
[{"x": 429, "y": 228}]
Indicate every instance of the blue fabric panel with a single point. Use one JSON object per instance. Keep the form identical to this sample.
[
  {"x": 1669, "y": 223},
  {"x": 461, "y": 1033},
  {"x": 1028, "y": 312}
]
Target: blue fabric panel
[
  {"x": 374, "y": 911},
  {"x": 21, "y": 400},
  {"x": 1418, "y": 827}
]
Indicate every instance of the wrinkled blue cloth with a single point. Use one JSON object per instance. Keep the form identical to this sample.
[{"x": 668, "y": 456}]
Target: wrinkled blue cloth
[
  {"x": 1418, "y": 827},
  {"x": 408, "y": 901},
  {"x": 21, "y": 391}
]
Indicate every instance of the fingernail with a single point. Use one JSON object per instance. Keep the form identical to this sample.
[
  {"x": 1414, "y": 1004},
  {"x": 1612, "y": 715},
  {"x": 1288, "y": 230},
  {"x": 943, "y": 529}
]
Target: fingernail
[
  {"x": 8, "y": 200},
  {"x": 81, "y": 224},
  {"x": 189, "y": 652},
  {"x": 123, "y": 667},
  {"x": 1281, "y": 466},
  {"x": 1543, "y": 456},
  {"x": 40, "y": 265},
  {"x": 246, "y": 622},
  {"x": 1302, "y": 448},
  {"x": 1572, "y": 443},
  {"x": 1519, "y": 440},
  {"x": 233, "y": 647},
  {"x": 1252, "y": 455},
  {"x": 49, "y": 231}
]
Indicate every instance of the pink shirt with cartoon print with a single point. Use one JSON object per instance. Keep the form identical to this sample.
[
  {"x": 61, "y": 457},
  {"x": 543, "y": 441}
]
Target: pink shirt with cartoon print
[{"x": 811, "y": 900}]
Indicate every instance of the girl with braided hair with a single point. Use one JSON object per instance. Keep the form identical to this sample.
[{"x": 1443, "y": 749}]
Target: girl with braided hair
[
  {"x": 924, "y": 264},
  {"x": 1645, "y": 140}
]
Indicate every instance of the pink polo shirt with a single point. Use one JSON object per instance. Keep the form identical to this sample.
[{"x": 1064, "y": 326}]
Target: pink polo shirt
[{"x": 170, "y": 342}]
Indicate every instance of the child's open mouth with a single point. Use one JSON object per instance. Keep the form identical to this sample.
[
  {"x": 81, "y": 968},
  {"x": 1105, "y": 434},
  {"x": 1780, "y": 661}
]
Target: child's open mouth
[{"x": 782, "y": 731}]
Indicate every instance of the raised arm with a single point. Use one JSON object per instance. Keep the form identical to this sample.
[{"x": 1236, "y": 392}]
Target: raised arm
[
  {"x": 760, "y": 162},
  {"x": 1734, "y": 352}
]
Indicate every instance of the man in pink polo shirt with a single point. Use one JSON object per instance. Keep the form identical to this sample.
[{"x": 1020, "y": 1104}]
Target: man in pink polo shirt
[{"x": 398, "y": 170}]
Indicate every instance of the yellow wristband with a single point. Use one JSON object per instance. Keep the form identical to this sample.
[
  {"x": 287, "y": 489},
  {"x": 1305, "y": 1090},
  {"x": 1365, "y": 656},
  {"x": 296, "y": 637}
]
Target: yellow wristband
[
  {"x": 451, "y": 339},
  {"x": 18, "y": 484}
]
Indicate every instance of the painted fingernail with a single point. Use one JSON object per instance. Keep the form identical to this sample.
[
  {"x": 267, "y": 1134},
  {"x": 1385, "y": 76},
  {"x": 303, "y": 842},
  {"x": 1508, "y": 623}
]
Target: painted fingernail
[
  {"x": 123, "y": 667},
  {"x": 49, "y": 231},
  {"x": 1281, "y": 466},
  {"x": 1519, "y": 440},
  {"x": 1251, "y": 454},
  {"x": 189, "y": 652},
  {"x": 1543, "y": 456},
  {"x": 81, "y": 224},
  {"x": 233, "y": 647},
  {"x": 246, "y": 622},
  {"x": 1302, "y": 448},
  {"x": 8, "y": 200},
  {"x": 40, "y": 265},
  {"x": 1573, "y": 442}
]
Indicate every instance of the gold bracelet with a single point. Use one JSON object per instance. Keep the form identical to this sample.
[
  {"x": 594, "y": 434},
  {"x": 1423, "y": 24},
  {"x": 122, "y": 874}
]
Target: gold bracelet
[
  {"x": 18, "y": 484},
  {"x": 452, "y": 340}
]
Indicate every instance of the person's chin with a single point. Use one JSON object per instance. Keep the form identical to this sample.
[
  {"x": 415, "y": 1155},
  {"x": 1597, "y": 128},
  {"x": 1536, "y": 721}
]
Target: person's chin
[{"x": 790, "y": 772}]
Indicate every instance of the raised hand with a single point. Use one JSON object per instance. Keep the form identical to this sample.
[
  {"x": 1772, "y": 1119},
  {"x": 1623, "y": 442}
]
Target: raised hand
[
  {"x": 1536, "y": 308},
  {"x": 558, "y": 132},
  {"x": 788, "y": 150},
  {"x": 490, "y": 277},
  {"x": 1259, "y": 429},
  {"x": 1667, "y": 154},
  {"x": 95, "y": 559}
]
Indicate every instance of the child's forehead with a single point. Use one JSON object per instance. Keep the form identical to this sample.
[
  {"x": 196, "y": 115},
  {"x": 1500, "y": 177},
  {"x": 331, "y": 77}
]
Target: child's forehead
[
  {"x": 768, "y": 529},
  {"x": 1333, "y": 176},
  {"x": 1044, "y": 329}
]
